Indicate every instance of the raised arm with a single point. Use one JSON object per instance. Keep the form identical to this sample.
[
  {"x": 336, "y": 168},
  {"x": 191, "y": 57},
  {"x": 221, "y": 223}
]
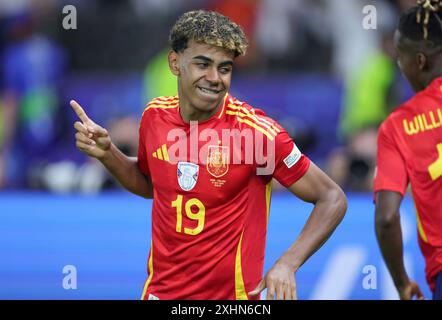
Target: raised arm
[
  {"x": 95, "y": 141},
  {"x": 329, "y": 209}
]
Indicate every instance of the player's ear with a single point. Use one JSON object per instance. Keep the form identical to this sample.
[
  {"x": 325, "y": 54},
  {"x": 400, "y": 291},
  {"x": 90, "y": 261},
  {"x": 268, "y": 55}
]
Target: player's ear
[
  {"x": 174, "y": 62},
  {"x": 422, "y": 61}
]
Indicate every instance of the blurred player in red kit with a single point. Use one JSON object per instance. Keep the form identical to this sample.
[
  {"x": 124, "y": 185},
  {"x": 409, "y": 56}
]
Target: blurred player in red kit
[{"x": 410, "y": 151}]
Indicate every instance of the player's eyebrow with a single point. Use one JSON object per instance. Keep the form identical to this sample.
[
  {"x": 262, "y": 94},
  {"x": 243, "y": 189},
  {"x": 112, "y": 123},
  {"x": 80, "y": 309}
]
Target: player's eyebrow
[
  {"x": 204, "y": 58},
  {"x": 207, "y": 59},
  {"x": 226, "y": 63}
]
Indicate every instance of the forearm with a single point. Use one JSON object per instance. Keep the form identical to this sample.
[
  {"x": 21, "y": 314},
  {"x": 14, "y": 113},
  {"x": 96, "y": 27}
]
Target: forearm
[
  {"x": 323, "y": 220},
  {"x": 9, "y": 120},
  {"x": 389, "y": 236},
  {"x": 125, "y": 170}
]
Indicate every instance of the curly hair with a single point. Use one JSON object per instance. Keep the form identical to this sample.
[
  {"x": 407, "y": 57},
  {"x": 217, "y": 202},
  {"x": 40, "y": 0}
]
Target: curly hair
[
  {"x": 207, "y": 27},
  {"x": 423, "y": 22}
]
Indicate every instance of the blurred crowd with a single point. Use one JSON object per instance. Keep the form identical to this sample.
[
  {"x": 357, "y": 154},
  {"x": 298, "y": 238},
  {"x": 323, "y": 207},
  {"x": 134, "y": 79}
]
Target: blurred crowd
[{"x": 40, "y": 62}]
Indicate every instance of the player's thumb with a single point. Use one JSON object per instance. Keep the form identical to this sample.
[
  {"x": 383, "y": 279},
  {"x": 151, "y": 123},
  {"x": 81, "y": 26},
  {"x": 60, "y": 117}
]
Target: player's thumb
[
  {"x": 101, "y": 132},
  {"x": 261, "y": 286}
]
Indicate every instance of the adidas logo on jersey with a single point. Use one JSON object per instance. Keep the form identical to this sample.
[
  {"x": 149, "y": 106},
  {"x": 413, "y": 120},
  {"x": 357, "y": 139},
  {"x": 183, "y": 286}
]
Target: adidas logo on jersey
[{"x": 161, "y": 153}]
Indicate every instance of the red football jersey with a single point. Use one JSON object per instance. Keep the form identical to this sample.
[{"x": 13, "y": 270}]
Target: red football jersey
[
  {"x": 410, "y": 150},
  {"x": 210, "y": 206}
]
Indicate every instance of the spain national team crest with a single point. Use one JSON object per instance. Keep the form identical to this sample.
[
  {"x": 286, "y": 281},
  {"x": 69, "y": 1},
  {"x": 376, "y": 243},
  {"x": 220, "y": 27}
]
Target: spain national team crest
[
  {"x": 187, "y": 175},
  {"x": 218, "y": 160}
]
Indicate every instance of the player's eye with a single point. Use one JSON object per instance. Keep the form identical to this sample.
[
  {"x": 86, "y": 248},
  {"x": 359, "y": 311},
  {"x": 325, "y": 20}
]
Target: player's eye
[
  {"x": 202, "y": 65},
  {"x": 225, "y": 70}
]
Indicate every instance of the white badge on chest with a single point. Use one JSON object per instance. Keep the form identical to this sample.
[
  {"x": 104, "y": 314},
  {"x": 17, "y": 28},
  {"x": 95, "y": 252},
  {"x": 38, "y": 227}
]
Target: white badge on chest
[{"x": 187, "y": 174}]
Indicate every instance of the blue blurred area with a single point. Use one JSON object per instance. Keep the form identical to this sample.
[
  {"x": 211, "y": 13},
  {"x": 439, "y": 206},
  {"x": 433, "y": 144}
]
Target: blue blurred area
[
  {"x": 304, "y": 104},
  {"x": 106, "y": 96},
  {"x": 107, "y": 238}
]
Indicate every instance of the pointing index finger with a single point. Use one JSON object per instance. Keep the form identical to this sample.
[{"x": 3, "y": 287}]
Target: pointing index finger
[{"x": 80, "y": 112}]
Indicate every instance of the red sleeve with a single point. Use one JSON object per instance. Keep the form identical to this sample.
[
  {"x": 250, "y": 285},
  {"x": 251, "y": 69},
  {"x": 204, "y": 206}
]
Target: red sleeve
[
  {"x": 142, "y": 154},
  {"x": 391, "y": 173},
  {"x": 290, "y": 163}
]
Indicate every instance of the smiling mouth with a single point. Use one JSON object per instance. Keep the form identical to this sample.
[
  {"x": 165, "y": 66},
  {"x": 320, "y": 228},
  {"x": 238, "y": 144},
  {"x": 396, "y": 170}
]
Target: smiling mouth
[{"x": 209, "y": 91}]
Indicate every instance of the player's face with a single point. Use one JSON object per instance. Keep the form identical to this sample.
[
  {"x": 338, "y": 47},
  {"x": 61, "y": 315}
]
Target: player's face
[
  {"x": 204, "y": 76},
  {"x": 407, "y": 61}
]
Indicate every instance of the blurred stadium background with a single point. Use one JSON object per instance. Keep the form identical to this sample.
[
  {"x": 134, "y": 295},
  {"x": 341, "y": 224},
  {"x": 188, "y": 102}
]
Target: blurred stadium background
[{"x": 311, "y": 65}]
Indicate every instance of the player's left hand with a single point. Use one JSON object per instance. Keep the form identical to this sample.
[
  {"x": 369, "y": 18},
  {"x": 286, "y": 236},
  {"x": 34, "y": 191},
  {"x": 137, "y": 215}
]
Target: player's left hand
[
  {"x": 410, "y": 290},
  {"x": 280, "y": 283}
]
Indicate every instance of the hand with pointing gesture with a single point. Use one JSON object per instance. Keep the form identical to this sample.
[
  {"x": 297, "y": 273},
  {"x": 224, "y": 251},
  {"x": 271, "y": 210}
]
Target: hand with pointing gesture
[{"x": 91, "y": 139}]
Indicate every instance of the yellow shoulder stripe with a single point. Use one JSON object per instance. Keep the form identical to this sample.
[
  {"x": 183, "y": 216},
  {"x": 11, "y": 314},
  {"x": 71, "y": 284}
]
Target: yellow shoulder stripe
[
  {"x": 155, "y": 106},
  {"x": 252, "y": 113},
  {"x": 243, "y": 115},
  {"x": 247, "y": 113},
  {"x": 159, "y": 106},
  {"x": 170, "y": 101},
  {"x": 165, "y": 98},
  {"x": 253, "y": 125}
]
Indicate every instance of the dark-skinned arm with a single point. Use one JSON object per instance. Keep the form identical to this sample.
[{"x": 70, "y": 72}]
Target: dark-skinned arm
[
  {"x": 389, "y": 236},
  {"x": 9, "y": 114},
  {"x": 330, "y": 205},
  {"x": 126, "y": 171}
]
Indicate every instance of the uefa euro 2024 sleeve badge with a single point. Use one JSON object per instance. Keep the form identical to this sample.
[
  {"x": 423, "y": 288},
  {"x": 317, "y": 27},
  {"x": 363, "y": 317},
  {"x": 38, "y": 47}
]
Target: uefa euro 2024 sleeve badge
[{"x": 187, "y": 175}]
